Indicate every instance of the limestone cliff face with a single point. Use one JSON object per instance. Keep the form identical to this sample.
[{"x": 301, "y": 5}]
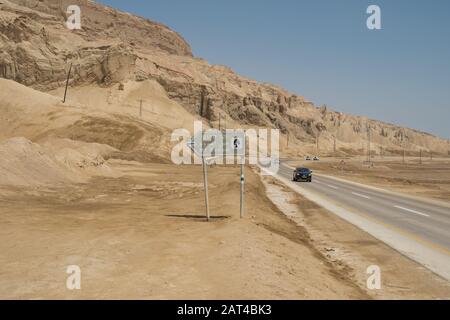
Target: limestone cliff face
[
  {"x": 36, "y": 49},
  {"x": 36, "y": 46}
]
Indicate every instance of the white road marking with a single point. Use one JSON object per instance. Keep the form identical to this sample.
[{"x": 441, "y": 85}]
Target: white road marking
[
  {"x": 360, "y": 195},
  {"x": 413, "y": 211},
  {"x": 333, "y": 187}
]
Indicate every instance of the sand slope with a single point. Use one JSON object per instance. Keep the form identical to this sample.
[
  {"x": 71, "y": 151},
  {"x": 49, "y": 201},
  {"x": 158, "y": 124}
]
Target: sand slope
[
  {"x": 24, "y": 163},
  {"x": 46, "y": 141},
  {"x": 105, "y": 116}
]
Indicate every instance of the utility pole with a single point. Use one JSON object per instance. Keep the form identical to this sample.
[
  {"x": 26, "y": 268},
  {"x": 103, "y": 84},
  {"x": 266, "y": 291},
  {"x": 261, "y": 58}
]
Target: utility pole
[
  {"x": 317, "y": 142},
  {"x": 368, "y": 144},
  {"x": 205, "y": 183},
  {"x": 67, "y": 82},
  {"x": 242, "y": 188},
  {"x": 334, "y": 144},
  {"x": 140, "y": 108},
  {"x": 448, "y": 147}
]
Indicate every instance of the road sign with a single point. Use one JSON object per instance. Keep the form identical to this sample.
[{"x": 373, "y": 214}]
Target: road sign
[{"x": 214, "y": 143}]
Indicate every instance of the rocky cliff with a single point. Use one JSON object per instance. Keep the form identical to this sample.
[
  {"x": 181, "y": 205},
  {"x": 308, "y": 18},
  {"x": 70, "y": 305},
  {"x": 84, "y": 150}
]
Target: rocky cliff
[{"x": 113, "y": 47}]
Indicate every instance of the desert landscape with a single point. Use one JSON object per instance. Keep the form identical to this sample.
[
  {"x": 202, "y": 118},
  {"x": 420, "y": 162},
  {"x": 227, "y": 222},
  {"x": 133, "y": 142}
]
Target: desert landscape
[
  {"x": 90, "y": 181},
  {"x": 134, "y": 239}
]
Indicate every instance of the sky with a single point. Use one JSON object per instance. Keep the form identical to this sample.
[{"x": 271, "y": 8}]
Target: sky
[{"x": 324, "y": 51}]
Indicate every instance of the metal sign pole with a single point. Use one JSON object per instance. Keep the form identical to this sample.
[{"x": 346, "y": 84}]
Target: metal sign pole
[
  {"x": 242, "y": 188},
  {"x": 205, "y": 182}
]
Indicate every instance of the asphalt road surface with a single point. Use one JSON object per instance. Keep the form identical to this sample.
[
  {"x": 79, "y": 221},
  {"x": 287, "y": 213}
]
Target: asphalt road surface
[{"x": 425, "y": 220}]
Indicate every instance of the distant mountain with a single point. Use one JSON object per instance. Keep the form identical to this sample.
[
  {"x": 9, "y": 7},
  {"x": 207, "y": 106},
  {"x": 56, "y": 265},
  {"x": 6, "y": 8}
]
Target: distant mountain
[{"x": 115, "y": 48}]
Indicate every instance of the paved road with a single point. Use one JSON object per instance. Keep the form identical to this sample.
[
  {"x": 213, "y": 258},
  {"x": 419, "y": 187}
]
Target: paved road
[{"x": 427, "y": 221}]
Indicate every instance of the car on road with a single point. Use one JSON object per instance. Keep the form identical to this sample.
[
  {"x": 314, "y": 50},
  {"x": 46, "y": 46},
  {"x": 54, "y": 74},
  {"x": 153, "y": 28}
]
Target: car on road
[
  {"x": 308, "y": 158},
  {"x": 302, "y": 174}
]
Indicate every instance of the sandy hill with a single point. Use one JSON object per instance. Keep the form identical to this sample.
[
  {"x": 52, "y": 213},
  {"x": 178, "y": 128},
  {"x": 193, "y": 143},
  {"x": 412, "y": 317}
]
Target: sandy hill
[
  {"x": 25, "y": 163},
  {"x": 43, "y": 141},
  {"x": 117, "y": 55}
]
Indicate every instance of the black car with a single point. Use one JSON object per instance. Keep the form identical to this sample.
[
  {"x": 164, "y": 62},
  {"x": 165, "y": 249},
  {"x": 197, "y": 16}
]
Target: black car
[{"x": 302, "y": 174}]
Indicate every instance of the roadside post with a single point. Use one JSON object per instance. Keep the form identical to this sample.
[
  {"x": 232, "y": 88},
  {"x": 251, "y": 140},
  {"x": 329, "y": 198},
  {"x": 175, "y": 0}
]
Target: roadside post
[
  {"x": 205, "y": 183},
  {"x": 239, "y": 150},
  {"x": 242, "y": 189},
  {"x": 232, "y": 144},
  {"x": 195, "y": 149}
]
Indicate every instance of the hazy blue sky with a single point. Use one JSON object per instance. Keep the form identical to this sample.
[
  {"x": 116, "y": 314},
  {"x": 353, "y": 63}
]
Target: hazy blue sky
[{"x": 323, "y": 50}]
